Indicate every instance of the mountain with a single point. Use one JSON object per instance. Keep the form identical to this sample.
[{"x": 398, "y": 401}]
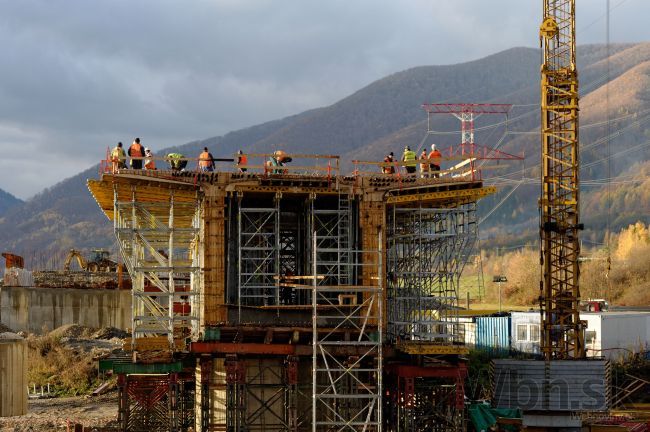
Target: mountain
[
  {"x": 386, "y": 115},
  {"x": 7, "y": 201}
]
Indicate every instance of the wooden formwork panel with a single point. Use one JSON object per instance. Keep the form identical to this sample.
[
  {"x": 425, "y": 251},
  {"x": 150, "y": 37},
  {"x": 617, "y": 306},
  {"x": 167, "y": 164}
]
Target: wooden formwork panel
[
  {"x": 13, "y": 375},
  {"x": 372, "y": 221},
  {"x": 214, "y": 257}
]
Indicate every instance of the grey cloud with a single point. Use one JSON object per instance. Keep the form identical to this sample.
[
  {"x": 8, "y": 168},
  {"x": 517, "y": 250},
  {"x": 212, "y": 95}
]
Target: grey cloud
[{"x": 80, "y": 75}]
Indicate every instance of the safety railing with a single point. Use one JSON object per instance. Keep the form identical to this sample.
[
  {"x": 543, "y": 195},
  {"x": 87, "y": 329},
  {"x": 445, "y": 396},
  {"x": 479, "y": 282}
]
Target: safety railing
[
  {"x": 267, "y": 164},
  {"x": 421, "y": 168}
]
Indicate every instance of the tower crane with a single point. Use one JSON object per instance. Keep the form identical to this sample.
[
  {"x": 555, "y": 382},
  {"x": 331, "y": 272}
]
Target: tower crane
[{"x": 562, "y": 331}]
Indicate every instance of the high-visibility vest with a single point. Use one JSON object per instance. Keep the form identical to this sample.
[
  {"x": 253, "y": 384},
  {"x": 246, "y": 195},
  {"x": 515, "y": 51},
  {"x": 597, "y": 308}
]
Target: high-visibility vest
[
  {"x": 435, "y": 156},
  {"x": 243, "y": 160},
  {"x": 149, "y": 164},
  {"x": 423, "y": 165},
  {"x": 205, "y": 159},
  {"x": 409, "y": 157},
  {"x": 118, "y": 154},
  {"x": 136, "y": 150}
]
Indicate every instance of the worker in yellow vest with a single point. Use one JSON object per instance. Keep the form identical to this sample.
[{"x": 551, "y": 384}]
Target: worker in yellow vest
[
  {"x": 409, "y": 158},
  {"x": 118, "y": 157}
]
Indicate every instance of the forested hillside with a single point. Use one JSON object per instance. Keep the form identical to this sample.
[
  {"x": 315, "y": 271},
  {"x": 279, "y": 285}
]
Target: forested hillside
[{"x": 387, "y": 114}]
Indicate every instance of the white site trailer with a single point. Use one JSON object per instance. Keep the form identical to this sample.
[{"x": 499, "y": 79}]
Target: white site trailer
[
  {"x": 614, "y": 334},
  {"x": 525, "y": 331}
]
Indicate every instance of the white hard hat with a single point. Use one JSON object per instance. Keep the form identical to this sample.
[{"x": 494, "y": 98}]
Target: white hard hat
[{"x": 433, "y": 146}]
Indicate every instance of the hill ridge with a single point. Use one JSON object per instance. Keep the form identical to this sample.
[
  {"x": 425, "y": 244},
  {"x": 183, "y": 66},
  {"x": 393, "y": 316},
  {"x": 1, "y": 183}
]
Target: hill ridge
[{"x": 383, "y": 115}]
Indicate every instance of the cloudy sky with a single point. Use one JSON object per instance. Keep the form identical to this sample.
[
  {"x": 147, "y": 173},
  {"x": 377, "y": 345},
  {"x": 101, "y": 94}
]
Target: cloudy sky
[{"x": 79, "y": 75}]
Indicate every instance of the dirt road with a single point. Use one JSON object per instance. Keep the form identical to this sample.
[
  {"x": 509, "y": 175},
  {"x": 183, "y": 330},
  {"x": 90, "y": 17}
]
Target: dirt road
[{"x": 53, "y": 414}]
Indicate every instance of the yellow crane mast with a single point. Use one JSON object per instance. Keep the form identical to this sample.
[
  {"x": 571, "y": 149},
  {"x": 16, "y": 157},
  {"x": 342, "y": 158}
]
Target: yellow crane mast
[{"x": 562, "y": 331}]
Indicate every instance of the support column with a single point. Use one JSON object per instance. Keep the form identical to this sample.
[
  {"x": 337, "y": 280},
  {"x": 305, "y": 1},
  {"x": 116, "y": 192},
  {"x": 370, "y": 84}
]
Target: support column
[
  {"x": 291, "y": 394},
  {"x": 214, "y": 257},
  {"x": 235, "y": 394},
  {"x": 122, "y": 403}
]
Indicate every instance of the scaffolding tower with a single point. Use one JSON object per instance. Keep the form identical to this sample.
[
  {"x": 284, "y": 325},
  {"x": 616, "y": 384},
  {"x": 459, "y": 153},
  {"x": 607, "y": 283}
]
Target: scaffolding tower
[
  {"x": 427, "y": 251},
  {"x": 259, "y": 254},
  {"x": 333, "y": 231},
  {"x": 347, "y": 389},
  {"x": 160, "y": 243},
  {"x": 269, "y": 240}
]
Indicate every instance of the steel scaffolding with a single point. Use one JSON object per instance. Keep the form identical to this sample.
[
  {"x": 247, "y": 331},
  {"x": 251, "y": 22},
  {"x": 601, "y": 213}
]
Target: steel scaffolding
[
  {"x": 332, "y": 227},
  {"x": 347, "y": 390},
  {"x": 430, "y": 398},
  {"x": 262, "y": 395},
  {"x": 271, "y": 248},
  {"x": 427, "y": 251},
  {"x": 160, "y": 242},
  {"x": 259, "y": 254}
]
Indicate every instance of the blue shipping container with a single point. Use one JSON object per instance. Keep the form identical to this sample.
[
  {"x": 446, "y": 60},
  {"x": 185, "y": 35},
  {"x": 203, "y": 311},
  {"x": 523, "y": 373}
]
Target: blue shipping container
[{"x": 493, "y": 334}]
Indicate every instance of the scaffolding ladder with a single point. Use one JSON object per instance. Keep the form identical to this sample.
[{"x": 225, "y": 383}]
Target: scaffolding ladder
[
  {"x": 160, "y": 243},
  {"x": 347, "y": 340}
]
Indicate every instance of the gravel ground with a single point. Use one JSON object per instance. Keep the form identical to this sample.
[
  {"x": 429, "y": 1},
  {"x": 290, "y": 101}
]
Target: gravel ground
[{"x": 53, "y": 414}]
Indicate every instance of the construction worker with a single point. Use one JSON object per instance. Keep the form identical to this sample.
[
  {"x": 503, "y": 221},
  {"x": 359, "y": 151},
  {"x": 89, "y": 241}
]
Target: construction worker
[
  {"x": 206, "y": 161},
  {"x": 136, "y": 151},
  {"x": 118, "y": 157},
  {"x": 409, "y": 158},
  {"x": 149, "y": 162},
  {"x": 434, "y": 161},
  {"x": 389, "y": 169},
  {"x": 424, "y": 165},
  {"x": 242, "y": 161},
  {"x": 278, "y": 159},
  {"x": 177, "y": 161}
]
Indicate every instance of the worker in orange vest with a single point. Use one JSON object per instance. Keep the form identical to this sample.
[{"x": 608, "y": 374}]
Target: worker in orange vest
[
  {"x": 242, "y": 161},
  {"x": 434, "y": 161},
  {"x": 424, "y": 166},
  {"x": 206, "y": 161},
  {"x": 149, "y": 162},
  {"x": 136, "y": 151},
  {"x": 388, "y": 169}
]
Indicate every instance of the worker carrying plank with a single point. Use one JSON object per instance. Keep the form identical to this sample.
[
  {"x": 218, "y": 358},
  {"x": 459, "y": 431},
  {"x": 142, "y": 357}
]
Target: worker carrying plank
[
  {"x": 177, "y": 161},
  {"x": 278, "y": 159}
]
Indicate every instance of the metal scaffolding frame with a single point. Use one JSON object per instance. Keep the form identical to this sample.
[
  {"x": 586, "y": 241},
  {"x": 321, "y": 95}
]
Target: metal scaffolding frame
[
  {"x": 259, "y": 254},
  {"x": 161, "y": 245},
  {"x": 347, "y": 391},
  {"x": 332, "y": 227},
  {"x": 427, "y": 251},
  {"x": 269, "y": 249},
  {"x": 430, "y": 398},
  {"x": 155, "y": 403},
  {"x": 262, "y": 395}
]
